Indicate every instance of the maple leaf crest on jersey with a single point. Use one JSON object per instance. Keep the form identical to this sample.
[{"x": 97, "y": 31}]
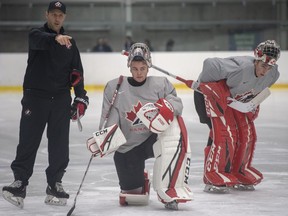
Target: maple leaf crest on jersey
[
  {"x": 131, "y": 116},
  {"x": 246, "y": 96}
]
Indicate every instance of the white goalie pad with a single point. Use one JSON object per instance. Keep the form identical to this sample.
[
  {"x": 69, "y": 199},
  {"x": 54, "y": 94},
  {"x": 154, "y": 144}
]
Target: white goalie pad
[
  {"x": 172, "y": 164},
  {"x": 106, "y": 141},
  {"x": 134, "y": 199},
  {"x": 137, "y": 199}
]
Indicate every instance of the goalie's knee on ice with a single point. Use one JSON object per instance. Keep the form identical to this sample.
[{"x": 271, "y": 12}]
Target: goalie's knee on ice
[
  {"x": 138, "y": 196},
  {"x": 133, "y": 199}
]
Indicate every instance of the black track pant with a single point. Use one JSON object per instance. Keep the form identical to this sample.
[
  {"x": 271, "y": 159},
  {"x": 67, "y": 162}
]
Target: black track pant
[
  {"x": 130, "y": 165},
  {"x": 37, "y": 113}
]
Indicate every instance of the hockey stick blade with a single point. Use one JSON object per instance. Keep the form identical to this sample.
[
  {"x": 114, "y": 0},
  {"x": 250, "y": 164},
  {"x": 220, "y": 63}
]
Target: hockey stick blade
[{"x": 261, "y": 97}]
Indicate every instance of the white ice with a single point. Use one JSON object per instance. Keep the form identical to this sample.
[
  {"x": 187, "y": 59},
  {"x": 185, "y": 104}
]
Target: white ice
[{"x": 99, "y": 194}]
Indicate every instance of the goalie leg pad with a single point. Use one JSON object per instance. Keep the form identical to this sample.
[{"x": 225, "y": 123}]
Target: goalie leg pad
[
  {"x": 106, "y": 141},
  {"x": 215, "y": 96},
  {"x": 137, "y": 199},
  {"x": 242, "y": 168},
  {"x": 172, "y": 164},
  {"x": 219, "y": 157},
  {"x": 133, "y": 199}
]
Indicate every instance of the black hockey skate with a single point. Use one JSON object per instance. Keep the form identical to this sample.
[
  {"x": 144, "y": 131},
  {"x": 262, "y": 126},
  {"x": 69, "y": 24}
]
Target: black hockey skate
[
  {"x": 56, "y": 195},
  {"x": 15, "y": 193},
  {"x": 172, "y": 205}
]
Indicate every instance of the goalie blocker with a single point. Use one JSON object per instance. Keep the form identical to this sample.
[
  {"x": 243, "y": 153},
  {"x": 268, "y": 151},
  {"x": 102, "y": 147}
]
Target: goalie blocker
[{"x": 106, "y": 141}]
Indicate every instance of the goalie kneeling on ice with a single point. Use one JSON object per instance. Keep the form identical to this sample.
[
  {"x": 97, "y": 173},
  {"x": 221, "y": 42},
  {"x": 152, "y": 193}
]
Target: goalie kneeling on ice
[
  {"x": 106, "y": 141},
  {"x": 157, "y": 117}
]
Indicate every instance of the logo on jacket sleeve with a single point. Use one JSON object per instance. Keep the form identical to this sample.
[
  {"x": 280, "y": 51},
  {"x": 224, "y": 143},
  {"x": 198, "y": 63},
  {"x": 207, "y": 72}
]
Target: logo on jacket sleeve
[{"x": 27, "y": 112}]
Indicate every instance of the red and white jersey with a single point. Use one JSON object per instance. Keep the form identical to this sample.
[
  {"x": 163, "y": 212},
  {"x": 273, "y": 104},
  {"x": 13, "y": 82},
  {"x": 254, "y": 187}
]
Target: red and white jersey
[
  {"x": 239, "y": 72},
  {"x": 129, "y": 100}
]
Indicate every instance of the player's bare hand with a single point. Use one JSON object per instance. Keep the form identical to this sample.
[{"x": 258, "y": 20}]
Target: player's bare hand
[{"x": 64, "y": 40}]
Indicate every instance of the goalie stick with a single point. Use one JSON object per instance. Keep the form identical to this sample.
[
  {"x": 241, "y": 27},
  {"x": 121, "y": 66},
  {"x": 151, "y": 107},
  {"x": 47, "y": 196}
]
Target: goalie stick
[
  {"x": 233, "y": 103},
  {"x": 104, "y": 124}
]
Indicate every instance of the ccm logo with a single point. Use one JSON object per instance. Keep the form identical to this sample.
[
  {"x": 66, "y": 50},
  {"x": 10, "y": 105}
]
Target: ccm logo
[
  {"x": 101, "y": 132},
  {"x": 187, "y": 170}
]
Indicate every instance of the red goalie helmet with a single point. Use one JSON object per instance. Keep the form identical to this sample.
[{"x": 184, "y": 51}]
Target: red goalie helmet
[{"x": 268, "y": 52}]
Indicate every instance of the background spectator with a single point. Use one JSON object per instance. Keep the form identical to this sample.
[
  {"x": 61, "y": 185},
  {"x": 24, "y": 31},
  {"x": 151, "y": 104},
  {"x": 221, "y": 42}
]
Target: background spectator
[{"x": 102, "y": 46}]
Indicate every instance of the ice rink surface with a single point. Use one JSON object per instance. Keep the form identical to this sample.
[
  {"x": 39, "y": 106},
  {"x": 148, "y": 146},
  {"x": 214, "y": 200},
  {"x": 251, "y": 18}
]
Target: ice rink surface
[{"x": 99, "y": 194}]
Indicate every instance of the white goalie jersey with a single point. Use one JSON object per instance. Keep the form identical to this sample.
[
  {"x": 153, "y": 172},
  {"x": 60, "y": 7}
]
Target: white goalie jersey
[{"x": 124, "y": 110}]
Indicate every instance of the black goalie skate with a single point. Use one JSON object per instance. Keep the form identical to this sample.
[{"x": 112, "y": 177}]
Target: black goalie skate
[
  {"x": 56, "y": 195},
  {"x": 15, "y": 193}
]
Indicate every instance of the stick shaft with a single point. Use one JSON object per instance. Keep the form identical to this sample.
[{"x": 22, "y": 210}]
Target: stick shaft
[
  {"x": 188, "y": 83},
  {"x": 237, "y": 105},
  {"x": 90, "y": 160}
]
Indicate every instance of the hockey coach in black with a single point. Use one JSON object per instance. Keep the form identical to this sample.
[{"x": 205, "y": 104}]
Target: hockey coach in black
[{"x": 54, "y": 67}]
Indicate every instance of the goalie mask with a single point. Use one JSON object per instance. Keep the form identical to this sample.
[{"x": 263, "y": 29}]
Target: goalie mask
[
  {"x": 268, "y": 52},
  {"x": 139, "y": 51}
]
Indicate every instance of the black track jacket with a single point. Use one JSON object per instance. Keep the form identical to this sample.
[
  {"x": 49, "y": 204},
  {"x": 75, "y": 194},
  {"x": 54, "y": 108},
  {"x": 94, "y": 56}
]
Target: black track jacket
[{"x": 50, "y": 64}]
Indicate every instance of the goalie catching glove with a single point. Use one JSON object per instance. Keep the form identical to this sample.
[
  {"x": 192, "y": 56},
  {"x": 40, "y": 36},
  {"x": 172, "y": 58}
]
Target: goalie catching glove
[
  {"x": 79, "y": 107},
  {"x": 106, "y": 141},
  {"x": 158, "y": 116}
]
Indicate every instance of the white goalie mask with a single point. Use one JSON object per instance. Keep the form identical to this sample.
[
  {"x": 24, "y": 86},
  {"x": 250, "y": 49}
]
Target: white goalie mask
[
  {"x": 141, "y": 51},
  {"x": 268, "y": 52}
]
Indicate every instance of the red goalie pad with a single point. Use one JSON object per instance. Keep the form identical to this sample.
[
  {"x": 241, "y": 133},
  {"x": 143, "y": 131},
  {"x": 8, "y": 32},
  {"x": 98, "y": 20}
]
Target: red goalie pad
[
  {"x": 219, "y": 156},
  {"x": 215, "y": 95},
  {"x": 242, "y": 167}
]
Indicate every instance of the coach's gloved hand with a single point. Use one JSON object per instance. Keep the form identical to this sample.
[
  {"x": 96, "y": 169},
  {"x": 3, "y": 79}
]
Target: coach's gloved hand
[{"x": 79, "y": 105}]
